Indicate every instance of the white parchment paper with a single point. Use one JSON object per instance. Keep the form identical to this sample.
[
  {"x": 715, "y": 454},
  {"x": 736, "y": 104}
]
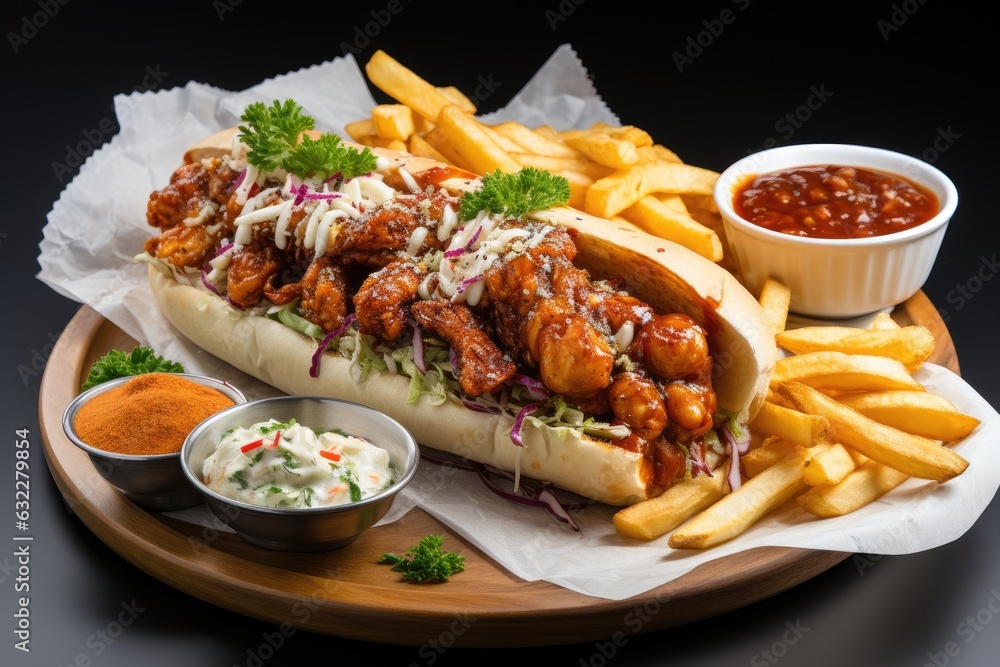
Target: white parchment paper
[{"x": 99, "y": 224}]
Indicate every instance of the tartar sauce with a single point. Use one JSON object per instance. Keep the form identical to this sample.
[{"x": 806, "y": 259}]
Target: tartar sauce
[{"x": 277, "y": 464}]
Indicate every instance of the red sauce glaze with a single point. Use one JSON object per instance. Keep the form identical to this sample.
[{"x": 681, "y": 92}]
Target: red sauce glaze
[
  {"x": 437, "y": 175},
  {"x": 834, "y": 202}
]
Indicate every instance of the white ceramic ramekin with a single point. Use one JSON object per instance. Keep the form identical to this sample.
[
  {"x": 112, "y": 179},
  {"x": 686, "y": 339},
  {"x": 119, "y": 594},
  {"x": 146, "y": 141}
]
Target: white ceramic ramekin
[{"x": 834, "y": 278}]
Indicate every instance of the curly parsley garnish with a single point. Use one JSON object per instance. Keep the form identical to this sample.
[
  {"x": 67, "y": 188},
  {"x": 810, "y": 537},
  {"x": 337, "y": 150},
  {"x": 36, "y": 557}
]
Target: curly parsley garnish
[
  {"x": 116, "y": 364},
  {"x": 426, "y": 561},
  {"x": 514, "y": 195},
  {"x": 272, "y": 135}
]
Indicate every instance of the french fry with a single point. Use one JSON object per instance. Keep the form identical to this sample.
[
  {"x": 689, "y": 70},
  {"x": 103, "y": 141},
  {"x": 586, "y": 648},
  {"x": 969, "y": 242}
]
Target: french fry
[
  {"x": 770, "y": 452},
  {"x": 534, "y": 141},
  {"x": 361, "y": 128},
  {"x": 458, "y": 98},
  {"x": 883, "y": 322},
  {"x": 830, "y": 464},
  {"x": 557, "y": 164},
  {"x": 604, "y": 149},
  {"x": 911, "y": 345},
  {"x": 393, "y": 121},
  {"x": 578, "y": 185},
  {"x": 615, "y": 193},
  {"x": 439, "y": 141},
  {"x": 374, "y": 140},
  {"x": 742, "y": 508},
  {"x": 912, "y": 455},
  {"x": 505, "y": 143},
  {"x": 839, "y": 371},
  {"x": 405, "y": 86},
  {"x": 864, "y": 485},
  {"x": 657, "y": 153},
  {"x": 657, "y": 516},
  {"x": 663, "y": 220},
  {"x": 918, "y": 412},
  {"x": 674, "y": 201},
  {"x": 775, "y": 297},
  {"x": 420, "y": 147},
  {"x": 790, "y": 425},
  {"x": 630, "y": 133},
  {"x": 477, "y": 149}
]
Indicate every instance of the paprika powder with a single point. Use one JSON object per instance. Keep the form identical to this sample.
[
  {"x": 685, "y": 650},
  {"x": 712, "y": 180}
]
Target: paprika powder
[{"x": 151, "y": 413}]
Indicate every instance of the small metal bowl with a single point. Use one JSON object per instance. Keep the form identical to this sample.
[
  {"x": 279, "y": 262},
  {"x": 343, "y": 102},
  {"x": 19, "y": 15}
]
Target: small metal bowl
[
  {"x": 302, "y": 528},
  {"x": 156, "y": 481}
]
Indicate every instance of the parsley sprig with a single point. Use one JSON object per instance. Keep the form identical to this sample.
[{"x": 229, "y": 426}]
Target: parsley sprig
[
  {"x": 117, "y": 363},
  {"x": 271, "y": 134},
  {"x": 426, "y": 561},
  {"x": 514, "y": 195}
]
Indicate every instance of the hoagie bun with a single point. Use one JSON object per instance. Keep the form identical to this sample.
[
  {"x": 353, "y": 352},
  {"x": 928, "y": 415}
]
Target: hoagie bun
[{"x": 666, "y": 276}]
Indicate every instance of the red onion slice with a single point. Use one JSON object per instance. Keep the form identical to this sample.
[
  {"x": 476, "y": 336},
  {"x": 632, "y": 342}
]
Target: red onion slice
[
  {"x": 318, "y": 354},
  {"x": 535, "y": 388},
  {"x": 515, "y": 431}
]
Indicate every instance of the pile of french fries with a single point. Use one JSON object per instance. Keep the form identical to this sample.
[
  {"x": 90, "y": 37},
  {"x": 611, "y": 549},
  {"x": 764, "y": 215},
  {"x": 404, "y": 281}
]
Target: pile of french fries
[
  {"x": 616, "y": 173},
  {"x": 844, "y": 423}
]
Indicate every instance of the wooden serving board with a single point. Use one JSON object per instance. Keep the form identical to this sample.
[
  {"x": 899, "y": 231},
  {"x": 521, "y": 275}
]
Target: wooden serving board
[{"x": 346, "y": 594}]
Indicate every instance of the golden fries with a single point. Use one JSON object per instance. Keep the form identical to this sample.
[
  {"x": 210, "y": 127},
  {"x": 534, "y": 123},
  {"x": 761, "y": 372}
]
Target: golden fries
[
  {"x": 790, "y": 425},
  {"x": 476, "y": 148},
  {"x": 615, "y": 193},
  {"x": 775, "y": 297},
  {"x": 602, "y": 162},
  {"x": 830, "y": 464},
  {"x": 917, "y": 412},
  {"x": 831, "y": 370},
  {"x": 864, "y": 485},
  {"x": 660, "y": 219},
  {"x": 911, "y": 345},
  {"x": 740, "y": 509},
  {"x": 403, "y": 85},
  {"x": 657, "y": 516},
  {"x": 393, "y": 121},
  {"x": 910, "y": 454}
]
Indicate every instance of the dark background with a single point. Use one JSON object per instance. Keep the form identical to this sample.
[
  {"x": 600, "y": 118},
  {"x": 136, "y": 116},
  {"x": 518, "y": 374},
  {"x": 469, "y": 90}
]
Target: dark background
[{"x": 899, "y": 75}]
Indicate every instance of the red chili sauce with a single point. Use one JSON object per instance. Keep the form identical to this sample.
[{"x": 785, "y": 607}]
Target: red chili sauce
[{"x": 834, "y": 202}]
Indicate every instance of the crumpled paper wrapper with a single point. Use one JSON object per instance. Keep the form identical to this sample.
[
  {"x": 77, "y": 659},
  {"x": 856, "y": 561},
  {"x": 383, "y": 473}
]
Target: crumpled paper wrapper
[{"x": 98, "y": 225}]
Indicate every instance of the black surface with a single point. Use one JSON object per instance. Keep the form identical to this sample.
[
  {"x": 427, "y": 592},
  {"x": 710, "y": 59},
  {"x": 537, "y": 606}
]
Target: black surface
[{"x": 900, "y": 75}]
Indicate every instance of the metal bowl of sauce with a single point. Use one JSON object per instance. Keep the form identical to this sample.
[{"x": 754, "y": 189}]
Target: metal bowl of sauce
[
  {"x": 300, "y": 473},
  {"x": 850, "y": 229}
]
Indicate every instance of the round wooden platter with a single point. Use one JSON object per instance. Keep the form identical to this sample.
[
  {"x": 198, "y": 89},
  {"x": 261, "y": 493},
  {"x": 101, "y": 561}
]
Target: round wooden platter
[{"x": 346, "y": 593}]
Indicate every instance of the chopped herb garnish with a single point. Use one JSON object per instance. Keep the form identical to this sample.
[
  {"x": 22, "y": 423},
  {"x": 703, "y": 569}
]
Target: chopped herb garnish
[
  {"x": 116, "y": 364},
  {"x": 272, "y": 135},
  {"x": 288, "y": 462},
  {"x": 239, "y": 477},
  {"x": 271, "y": 428},
  {"x": 256, "y": 458},
  {"x": 307, "y": 496},
  {"x": 347, "y": 476},
  {"x": 514, "y": 195},
  {"x": 426, "y": 561}
]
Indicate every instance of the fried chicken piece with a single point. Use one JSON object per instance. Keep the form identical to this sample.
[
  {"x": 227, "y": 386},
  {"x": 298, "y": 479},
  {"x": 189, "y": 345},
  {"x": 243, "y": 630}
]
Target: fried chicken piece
[
  {"x": 482, "y": 366},
  {"x": 572, "y": 355},
  {"x": 249, "y": 270},
  {"x": 325, "y": 290},
  {"x": 382, "y": 303},
  {"x": 191, "y": 188},
  {"x": 636, "y": 400},
  {"x": 388, "y": 228},
  {"x": 673, "y": 346},
  {"x": 183, "y": 246}
]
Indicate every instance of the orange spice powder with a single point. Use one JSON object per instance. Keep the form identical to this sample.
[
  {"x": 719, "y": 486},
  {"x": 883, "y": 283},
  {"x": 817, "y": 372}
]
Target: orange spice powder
[{"x": 150, "y": 414}]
